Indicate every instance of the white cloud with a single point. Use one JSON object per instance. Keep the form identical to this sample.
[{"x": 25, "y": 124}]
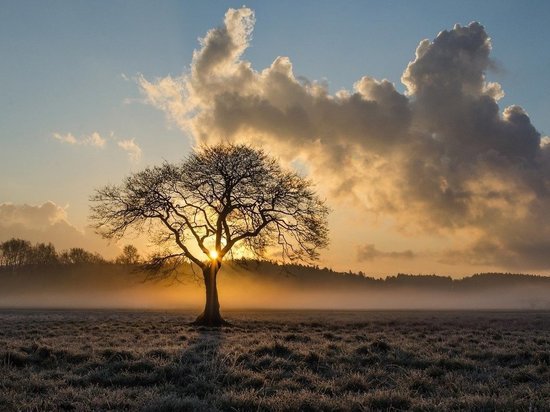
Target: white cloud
[
  {"x": 442, "y": 158},
  {"x": 132, "y": 148},
  {"x": 94, "y": 139},
  {"x": 66, "y": 138}
]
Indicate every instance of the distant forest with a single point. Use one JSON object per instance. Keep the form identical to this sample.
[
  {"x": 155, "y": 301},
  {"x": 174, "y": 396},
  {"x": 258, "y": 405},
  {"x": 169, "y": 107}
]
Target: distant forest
[
  {"x": 37, "y": 275},
  {"x": 18, "y": 255}
]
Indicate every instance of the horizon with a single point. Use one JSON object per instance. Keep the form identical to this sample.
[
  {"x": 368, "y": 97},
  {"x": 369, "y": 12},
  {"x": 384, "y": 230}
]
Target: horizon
[
  {"x": 259, "y": 286},
  {"x": 62, "y": 258}
]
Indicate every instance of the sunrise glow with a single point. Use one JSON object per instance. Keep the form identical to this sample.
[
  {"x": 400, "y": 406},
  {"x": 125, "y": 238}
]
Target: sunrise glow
[{"x": 298, "y": 205}]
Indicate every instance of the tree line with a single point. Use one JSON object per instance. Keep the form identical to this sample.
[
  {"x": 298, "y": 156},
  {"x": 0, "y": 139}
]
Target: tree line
[{"x": 19, "y": 253}]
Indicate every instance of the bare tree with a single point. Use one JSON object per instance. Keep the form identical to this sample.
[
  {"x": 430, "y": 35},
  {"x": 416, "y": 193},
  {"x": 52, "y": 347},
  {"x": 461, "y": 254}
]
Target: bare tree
[
  {"x": 79, "y": 256},
  {"x": 218, "y": 199},
  {"x": 129, "y": 256},
  {"x": 44, "y": 254},
  {"x": 16, "y": 253}
]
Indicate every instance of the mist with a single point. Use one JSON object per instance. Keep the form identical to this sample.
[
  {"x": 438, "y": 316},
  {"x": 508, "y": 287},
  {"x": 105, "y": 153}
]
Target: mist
[{"x": 270, "y": 287}]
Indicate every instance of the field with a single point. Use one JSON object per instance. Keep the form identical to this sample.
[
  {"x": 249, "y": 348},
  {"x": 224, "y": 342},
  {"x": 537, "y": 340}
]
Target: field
[{"x": 309, "y": 360}]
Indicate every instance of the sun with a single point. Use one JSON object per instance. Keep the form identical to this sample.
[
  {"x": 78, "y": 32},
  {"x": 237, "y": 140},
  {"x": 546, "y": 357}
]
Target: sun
[{"x": 213, "y": 254}]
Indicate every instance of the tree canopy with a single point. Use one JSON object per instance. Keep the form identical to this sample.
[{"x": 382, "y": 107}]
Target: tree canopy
[{"x": 219, "y": 198}]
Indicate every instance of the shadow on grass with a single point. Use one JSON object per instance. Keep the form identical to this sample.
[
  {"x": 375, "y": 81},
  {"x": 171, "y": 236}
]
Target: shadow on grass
[{"x": 195, "y": 377}]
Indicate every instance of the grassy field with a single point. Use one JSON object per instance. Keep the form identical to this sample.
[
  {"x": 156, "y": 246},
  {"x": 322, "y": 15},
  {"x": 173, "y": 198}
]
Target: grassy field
[{"x": 106, "y": 360}]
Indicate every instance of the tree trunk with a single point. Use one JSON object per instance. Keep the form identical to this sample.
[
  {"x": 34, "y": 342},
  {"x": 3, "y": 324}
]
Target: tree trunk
[{"x": 211, "y": 314}]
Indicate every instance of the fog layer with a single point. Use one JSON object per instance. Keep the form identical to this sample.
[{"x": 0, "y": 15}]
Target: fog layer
[{"x": 269, "y": 286}]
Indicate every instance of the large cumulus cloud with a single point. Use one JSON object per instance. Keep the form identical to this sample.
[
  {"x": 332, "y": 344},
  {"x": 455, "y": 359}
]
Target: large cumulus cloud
[{"x": 443, "y": 157}]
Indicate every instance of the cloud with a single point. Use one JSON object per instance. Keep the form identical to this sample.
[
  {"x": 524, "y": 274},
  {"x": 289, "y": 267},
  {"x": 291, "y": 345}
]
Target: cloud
[
  {"x": 66, "y": 138},
  {"x": 369, "y": 252},
  {"x": 94, "y": 139},
  {"x": 39, "y": 217},
  {"x": 442, "y": 158},
  {"x": 131, "y": 147},
  {"x": 47, "y": 222}
]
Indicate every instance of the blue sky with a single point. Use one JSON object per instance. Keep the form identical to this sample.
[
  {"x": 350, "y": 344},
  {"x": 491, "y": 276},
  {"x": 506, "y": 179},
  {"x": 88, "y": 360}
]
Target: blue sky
[{"x": 67, "y": 67}]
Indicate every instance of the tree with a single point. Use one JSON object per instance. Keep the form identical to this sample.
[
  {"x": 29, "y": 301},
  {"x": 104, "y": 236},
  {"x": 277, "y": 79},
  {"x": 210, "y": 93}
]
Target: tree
[
  {"x": 44, "y": 254},
  {"x": 79, "y": 256},
  {"x": 129, "y": 256},
  {"x": 219, "y": 199},
  {"x": 16, "y": 253}
]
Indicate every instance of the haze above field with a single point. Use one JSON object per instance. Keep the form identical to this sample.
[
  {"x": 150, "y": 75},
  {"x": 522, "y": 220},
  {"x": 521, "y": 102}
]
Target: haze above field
[
  {"x": 257, "y": 285},
  {"x": 442, "y": 168}
]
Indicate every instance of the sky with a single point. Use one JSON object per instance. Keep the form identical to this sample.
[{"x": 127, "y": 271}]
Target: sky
[{"x": 427, "y": 172}]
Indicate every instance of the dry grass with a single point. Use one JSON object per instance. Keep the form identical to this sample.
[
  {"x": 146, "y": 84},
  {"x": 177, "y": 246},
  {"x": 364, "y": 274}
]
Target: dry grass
[{"x": 100, "y": 360}]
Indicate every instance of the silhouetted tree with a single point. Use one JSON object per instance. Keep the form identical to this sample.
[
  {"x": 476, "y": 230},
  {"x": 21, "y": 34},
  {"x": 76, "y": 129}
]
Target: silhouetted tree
[
  {"x": 218, "y": 198},
  {"x": 43, "y": 254},
  {"x": 79, "y": 256},
  {"x": 16, "y": 253},
  {"x": 129, "y": 256}
]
